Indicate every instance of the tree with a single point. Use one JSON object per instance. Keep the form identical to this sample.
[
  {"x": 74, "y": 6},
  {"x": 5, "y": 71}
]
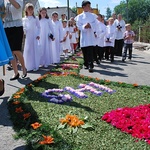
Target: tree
[
  {"x": 108, "y": 13},
  {"x": 137, "y": 10},
  {"x": 74, "y": 9}
]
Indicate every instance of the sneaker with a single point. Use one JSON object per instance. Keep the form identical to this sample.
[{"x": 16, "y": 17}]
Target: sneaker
[
  {"x": 36, "y": 69},
  {"x": 97, "y": 62},
  {"x": 45, "y": 66}
]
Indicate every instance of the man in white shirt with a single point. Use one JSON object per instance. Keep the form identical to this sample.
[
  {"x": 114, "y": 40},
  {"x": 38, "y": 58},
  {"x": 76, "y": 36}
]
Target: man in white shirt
[
  {"x": 87, "y": 24},
  {"x": 120, "y": 29}
]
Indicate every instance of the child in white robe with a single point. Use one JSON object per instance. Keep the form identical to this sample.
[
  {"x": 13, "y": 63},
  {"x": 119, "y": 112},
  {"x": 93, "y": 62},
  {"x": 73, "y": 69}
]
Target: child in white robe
[
  {"x": 31, "y": 28},
  {"x": 72, "y": 35},
  {"x": 56, "y": 45},
  {"x": 66, "y": 40},
  {"x": 46, "y": 38}
]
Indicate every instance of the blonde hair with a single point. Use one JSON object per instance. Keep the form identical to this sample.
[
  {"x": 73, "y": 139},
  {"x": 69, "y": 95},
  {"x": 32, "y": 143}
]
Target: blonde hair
[
  {"x": 27, "y": 7},
  {"x": 127, "y": 25},
  {"x": 111, "y": 18}
]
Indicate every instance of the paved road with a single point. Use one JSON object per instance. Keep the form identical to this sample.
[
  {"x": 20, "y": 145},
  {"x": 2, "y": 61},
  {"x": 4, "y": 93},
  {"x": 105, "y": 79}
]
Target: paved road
[{"x": 135, "y": 71}]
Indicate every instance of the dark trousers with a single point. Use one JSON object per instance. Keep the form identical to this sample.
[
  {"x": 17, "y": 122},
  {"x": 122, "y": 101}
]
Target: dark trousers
[
  {"x": 109, "y": 50},
  {"x": 126, "y": 47},
  {"x": 98, "y": 53},
  {"x": 95, "y": 49},
  {"x": 118, "y": 47},
  {"x": 88, "y": 56}
]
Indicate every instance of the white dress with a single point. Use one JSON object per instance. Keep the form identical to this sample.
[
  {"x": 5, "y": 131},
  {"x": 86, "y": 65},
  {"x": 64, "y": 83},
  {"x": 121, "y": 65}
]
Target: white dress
[
  {"x": 45, "y": 41},
  {"x": 31, "y": 28},
  {"x": 56, "y": 45},
  {"x": 73, "y": 34},
  {"x": 66, "y": 44}
]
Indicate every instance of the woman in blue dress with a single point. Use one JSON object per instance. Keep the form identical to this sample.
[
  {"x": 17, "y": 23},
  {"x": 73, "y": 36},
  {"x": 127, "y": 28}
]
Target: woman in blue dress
[{"x": 5, "y": 52}]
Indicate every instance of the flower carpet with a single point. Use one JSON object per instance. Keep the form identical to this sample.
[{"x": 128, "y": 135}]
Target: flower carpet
[{"x": 63, "y": 110}]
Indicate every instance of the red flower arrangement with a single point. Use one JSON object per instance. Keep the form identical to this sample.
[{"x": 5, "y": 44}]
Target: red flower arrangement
[
  {"x": 69, "y": 66},
  {"x": 134, "y": 121}
]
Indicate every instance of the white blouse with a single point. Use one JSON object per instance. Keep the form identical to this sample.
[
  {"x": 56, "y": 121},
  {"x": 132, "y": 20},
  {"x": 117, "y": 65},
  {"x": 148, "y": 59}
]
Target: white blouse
[{"x": 13, "y": 16}]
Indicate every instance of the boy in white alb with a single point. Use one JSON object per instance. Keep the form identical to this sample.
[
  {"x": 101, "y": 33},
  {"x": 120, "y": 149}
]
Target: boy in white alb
[
  {"x": 109, "y": 40},
  {"x": 86, "y": 24},
  {"x": 100, "y": 33}
]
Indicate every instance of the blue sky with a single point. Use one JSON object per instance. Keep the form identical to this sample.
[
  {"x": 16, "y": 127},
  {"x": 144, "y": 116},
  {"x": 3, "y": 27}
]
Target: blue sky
[{"x": 102, "y": 4}]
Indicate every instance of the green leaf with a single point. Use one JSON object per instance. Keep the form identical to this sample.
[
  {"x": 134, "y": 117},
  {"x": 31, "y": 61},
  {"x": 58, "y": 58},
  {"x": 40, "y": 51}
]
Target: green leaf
[
  {"x": 74, "y": 130},
  {"x": 61, "y": 126},
  {"x": 86, "y": 118},
  {"x": 85, "y": 126}
]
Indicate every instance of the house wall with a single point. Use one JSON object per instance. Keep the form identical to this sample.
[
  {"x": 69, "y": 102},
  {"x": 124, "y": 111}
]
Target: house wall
[{"x": 60, "y": 10}]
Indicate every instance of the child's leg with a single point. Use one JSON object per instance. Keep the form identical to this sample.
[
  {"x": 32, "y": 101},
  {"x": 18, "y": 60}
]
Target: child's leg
[
  {"x": 130, "y": 51},
  {"x": 66, "y": 53},
  {"x": 72, "y": 47},
  {"x": 111, "y": 54},
  {"x": 124, "y": 55},
  {"x": 107, "y": 53}
]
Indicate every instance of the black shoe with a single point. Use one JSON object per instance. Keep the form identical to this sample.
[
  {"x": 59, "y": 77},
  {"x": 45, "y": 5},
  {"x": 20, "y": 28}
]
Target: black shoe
[
  {"x": 91, "y": 69},
  {"x": 112, "y": 60},
  {"x": 3, "y": 90},
  {"x": 97, "y": 62},
  {"x": 9, "y": 67},
  {"x": 24, "y": 75},
  {"x": 16, "y": 77}
]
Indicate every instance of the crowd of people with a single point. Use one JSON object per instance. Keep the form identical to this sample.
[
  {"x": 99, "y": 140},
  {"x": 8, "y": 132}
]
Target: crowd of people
[{"x": 47, "y": 37}]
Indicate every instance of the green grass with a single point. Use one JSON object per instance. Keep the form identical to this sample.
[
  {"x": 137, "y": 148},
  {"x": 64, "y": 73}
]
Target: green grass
[{"x": 103, "y": 136}]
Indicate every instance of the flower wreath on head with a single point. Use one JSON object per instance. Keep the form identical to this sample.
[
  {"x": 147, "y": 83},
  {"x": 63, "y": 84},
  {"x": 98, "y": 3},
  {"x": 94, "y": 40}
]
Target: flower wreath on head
[{"x": 58, "y": 99}]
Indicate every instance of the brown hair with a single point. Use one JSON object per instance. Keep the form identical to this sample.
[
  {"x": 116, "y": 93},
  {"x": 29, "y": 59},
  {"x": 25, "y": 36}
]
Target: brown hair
[
  {"x": 40, "y": 10},
  {"x": 26, "y": 7},
  {"x": 70, "y": 23}
]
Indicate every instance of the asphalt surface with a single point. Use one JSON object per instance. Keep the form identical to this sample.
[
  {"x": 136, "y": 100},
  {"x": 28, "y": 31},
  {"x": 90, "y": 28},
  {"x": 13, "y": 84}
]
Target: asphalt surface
[{"x": 135, "y": 71}]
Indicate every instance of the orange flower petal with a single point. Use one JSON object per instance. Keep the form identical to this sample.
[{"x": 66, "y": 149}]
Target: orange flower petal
[
  {"x": 36, "y": 125},
  {"x": 16, "y": 96},
  {"x": 135, "y": 85},
  {"x": 19, "y": 110},
  {"x": 16, "y": 102},
  {"x": 27, "y": 115},
  {"x": 47, "y": 140}
]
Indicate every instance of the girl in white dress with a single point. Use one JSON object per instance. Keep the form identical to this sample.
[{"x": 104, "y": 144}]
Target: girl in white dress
[
  {"x": 31, "y": 28},
  {"x": 72, "y": 35},
  {"x": 46, "y": 38},
  {"x": 56, "y": 45},
  {"x": 66, "y": 40}
]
